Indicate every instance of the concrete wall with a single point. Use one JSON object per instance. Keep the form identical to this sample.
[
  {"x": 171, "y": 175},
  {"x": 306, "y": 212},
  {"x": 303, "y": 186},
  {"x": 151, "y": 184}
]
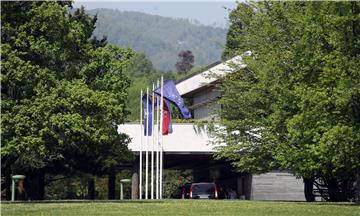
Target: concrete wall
[
  {"x": 204, "y": 96},
  {"x": 184, "y": 139},
  {"x": 206, "y": 112},
  {"x": 277, "y": 185},
  {"x": 203, "y": 103}
]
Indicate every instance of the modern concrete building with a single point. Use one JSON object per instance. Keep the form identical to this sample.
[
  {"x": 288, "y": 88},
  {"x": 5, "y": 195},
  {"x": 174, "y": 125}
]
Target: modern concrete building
[{"x": 188, "y": 147}]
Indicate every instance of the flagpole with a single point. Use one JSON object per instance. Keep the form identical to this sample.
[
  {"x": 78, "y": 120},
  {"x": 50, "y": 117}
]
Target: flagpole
[
  {"x": 147, "y": 146},
  {"x": 153, "y": 142},
  {"x": 161, "y": 134},
  {"x": 140, "y": 151},
  {"x": 157, "y": 141}
]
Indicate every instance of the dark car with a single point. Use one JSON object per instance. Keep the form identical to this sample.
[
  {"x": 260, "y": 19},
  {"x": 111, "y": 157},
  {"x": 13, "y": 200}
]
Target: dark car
[{"x": 202, "y": 190}]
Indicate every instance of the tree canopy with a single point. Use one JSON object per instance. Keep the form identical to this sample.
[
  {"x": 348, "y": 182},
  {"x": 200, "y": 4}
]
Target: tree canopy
[
  {"x": 296, "y": 106},
  {"x": 185, "y": 61},
  {"x": 63, "y": 92}
]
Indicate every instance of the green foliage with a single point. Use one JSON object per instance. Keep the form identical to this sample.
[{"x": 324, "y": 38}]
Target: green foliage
[
  {"x": 74, "y": 187},
  {"x": 142, "y": 75},
  {"x": 160, "y": 38},
  {"x": 296, "y": 105},
  {"x": 62, "y": 187},
  {"x": 63, "y": 93},
  {"x": 239, "y": 20},
  {"x": 174, "y": 179},
  {"x": 185, "y": 62},
  {"x": 140, "y": 66}
]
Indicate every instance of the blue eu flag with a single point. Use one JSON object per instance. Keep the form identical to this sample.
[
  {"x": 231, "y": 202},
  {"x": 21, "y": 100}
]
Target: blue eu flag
[
  {"x": 147, "y": 114},
  {"x": 172, "y": 95}
]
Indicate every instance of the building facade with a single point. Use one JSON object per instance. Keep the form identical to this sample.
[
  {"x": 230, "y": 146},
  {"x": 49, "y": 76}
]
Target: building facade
[{"x": 188, "y": 147}]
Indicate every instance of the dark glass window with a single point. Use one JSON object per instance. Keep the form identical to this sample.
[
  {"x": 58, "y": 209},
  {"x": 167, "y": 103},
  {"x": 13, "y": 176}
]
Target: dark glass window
[{"x": 203, "y": 188}]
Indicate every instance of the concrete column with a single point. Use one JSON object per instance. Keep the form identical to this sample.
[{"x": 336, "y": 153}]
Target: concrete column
[
  {"x": 135, "y": 186},
  {"x": 13, "y": 190},
  {"x": 121, "y": 191},
  {"x": 248, "y": 187},
  {"x": 135, "y": 182},
  {"x": 241, "y": 187}
]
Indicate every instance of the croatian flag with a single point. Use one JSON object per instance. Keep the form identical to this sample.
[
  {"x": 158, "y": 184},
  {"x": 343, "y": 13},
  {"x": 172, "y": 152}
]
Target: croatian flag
[
  {"x": 167, "y": 118},
  {"x": 172, "y": 95}
]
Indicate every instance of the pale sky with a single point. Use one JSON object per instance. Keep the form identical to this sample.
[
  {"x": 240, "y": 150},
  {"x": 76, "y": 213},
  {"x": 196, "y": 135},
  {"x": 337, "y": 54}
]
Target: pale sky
[{"x": 207, "y": 12}]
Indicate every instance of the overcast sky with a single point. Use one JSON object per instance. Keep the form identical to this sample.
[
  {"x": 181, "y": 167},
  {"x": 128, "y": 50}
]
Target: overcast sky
[{"x": 206, "y": 12}]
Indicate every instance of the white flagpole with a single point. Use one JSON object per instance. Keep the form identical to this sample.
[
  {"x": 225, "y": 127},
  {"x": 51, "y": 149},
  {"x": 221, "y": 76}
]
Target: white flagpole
[
  {"x": 157, "y": 142},
  {"x": 147, "y": 145},
  {"x": 162, "y": 140},
  {"x": 140, "y": 151},
  {"x": 153, "y": 142}
]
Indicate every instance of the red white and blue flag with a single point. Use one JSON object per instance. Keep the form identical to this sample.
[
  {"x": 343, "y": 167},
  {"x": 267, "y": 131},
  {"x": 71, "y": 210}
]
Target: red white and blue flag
[{"x": 167, "y": 118}]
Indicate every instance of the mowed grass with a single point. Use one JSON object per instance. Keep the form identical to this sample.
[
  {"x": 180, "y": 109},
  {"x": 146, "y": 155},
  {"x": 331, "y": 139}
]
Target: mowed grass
[{"x": 182, "y": 207}]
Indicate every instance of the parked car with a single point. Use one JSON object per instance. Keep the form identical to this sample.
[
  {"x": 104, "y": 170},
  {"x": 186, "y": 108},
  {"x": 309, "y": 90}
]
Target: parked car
[{"x": 201, "y": 190}]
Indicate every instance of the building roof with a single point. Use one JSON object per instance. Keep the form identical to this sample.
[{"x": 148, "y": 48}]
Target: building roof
[{"x": 208, "y": 76}]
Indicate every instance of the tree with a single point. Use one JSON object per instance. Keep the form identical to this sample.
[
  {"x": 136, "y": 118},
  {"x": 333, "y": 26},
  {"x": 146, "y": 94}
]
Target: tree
[
  {"x": 139, "y": 65},
  {"x": 296, "y": 105},
  {"x": 240, "y": 19},
  {"x": 63, "y": 94},
  {"x": 142, "y": 75},
  {"x": 185, "y": 62}
]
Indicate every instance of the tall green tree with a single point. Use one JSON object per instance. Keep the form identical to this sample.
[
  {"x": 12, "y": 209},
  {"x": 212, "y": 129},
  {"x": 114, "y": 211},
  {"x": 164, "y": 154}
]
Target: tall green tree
[
  {"x": 296, "y": 105},
  {"x": 142, "y": 75},
  {"x": 63, "y": 94},
  {"x": 185, "y": 61}
]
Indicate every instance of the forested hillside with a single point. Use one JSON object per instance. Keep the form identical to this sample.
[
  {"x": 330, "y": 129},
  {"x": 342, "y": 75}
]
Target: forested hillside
[{"x": 160, "y": 38}]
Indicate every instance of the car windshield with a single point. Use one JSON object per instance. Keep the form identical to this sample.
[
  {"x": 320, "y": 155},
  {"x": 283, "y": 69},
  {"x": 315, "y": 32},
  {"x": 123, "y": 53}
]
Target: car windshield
[{"x": 203, "y": 188}]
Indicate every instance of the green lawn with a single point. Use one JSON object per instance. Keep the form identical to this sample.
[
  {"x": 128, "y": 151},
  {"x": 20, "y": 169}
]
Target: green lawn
[{"x": 182, "y": 207}]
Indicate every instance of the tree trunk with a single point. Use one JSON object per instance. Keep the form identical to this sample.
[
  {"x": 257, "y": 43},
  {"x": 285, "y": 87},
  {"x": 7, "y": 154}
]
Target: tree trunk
[
  {"x": 35, "y": 185},
  {"x": 333, "y": 190},
  {"x": 41, "y": 185},
  {"x": 91, "y": 188},
  {"x": 357, "y": 189},
  {"x": 338, "y": 192},
  {"x": 111, "y": 185},
  {"x": 7, "y": 184},
  {"x": 309, "y": 190}
]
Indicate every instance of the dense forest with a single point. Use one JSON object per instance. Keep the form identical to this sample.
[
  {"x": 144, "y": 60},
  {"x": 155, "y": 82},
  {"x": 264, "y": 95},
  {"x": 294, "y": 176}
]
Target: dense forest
[{"x": 160, "y": 38}]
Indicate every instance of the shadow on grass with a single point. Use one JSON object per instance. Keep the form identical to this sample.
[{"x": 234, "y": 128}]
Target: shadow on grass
[
  {"x": 80, "y": 201},
  {"x": 309, "y": 203},
  {"x": 344, "y": 204}
]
